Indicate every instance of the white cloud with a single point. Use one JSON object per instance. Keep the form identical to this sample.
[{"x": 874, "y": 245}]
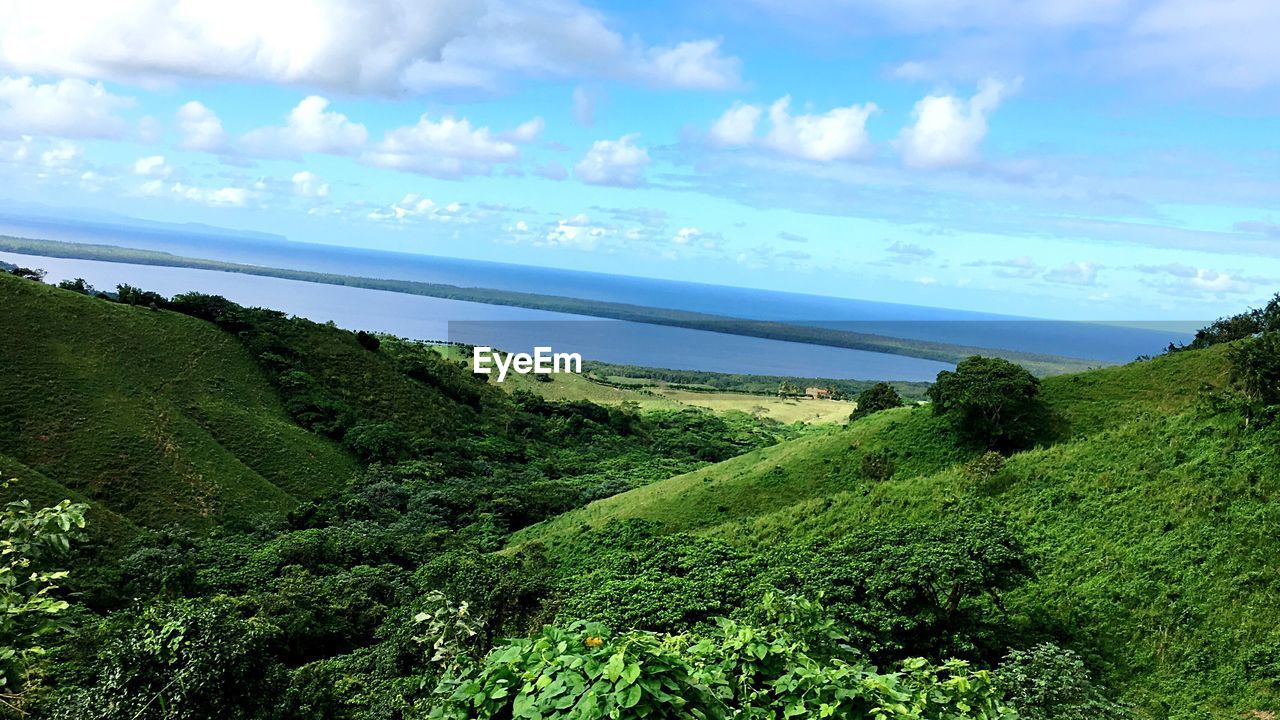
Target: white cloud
[
  {"x": 348, "y": 46},
  {"x": 526, "y": 132},
  {"x": 152, "y": 165},
  {"x": 1076, "y": 273},
  {"x": 1183, "y": 44},
  {"x": 68, "y": 108},
  {"x": 948, "y": 130},
  {"x": 575, "y": 232},
  {"x": 697, "y": 65},
  {"x": 414, "y": 207},
  {"x": 61, "y": 155},
  {"x": 200, "y": 127},
  {"x": 686, "y": 235},
  {"x": 91, "y": 181},
  {"x": 448, "y": 147},
  {"x": 310, "y": 127},
  {"x": 1186, "y": 280},
  {"x": 614, "y": 162},
  {"x": 352, "y": 45},
  {"x": 308, "y": 184},
  {"x": 838, "y": 134},
  {"x": 229, "y": 196},
  {"x": 737, "y": 126}
]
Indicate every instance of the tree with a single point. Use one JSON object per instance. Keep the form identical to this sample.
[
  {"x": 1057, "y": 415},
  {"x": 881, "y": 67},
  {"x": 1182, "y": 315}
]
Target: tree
[
  {"x": 28, "y": 273},
  {"x": 1255, "y": 367},
  {"x": 368, "y": 341},
  {"x": 881, "y": 396},
  {"x": 79, "y": 285},
  {"x": 29, "y": 540},
  {"x": 990, "y": 401}
]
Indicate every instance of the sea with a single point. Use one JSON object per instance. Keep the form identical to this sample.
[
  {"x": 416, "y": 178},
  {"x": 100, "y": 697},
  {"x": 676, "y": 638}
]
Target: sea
[{"x": 520, "y": 329}]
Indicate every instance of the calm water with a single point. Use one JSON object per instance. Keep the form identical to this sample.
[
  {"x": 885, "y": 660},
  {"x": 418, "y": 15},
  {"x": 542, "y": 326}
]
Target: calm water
[
  {"x": 1073, "y": 339},
  {"x": 515, "y": 329}
]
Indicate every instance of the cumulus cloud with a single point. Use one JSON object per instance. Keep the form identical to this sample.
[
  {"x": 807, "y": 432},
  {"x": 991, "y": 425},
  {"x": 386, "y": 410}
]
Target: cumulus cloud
[
  {"x": 228, "y": 196},
  {"x": 1076, "y": 273},
  {"x": 696, "y": 65},
  {"x": 1187, "y": 280},
  {"x": 69, "y": 108},
  {"x": 448, "y": 147},
  {"x": 792, "y": 237},
  {"x": 200, "y": 128},
  {"x": 61, "y": 155},
  {"x": 614, "y": 162},
  {"x": 310, "y": 127},
  {"x": 526, "y": 132},
  {"x": 414, "y": 207},
  {"x": 152, "y": 166},
  {"x": 307, "y": 184},
  {"x": 576, "y": 232},
  {"x": 686, "y": 235},
  {"x": 349, "y": 46},
  {"x": 947, "y": 131},
  {"x": 837, "y": 134},
  {"x": 737, "y": 126}
]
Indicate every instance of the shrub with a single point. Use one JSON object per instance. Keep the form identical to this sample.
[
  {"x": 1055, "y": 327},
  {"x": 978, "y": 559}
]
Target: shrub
[
  {"x": 1047, "y": 682},
  {"x": 990, "y": 402},
  {"x": 29, "y": 540},
  {"x": 793, "y": 665},
  {"x": 176, "y": 661},
  {"x": 878, "y": 466},
  {"x": 881, "y": 396},
  {"x": 1255, "y": 367}
]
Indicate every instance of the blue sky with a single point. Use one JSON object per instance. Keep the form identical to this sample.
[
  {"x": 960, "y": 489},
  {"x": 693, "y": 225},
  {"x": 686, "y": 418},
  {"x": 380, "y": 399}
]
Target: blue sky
[{"x": 1092, "y": 159}]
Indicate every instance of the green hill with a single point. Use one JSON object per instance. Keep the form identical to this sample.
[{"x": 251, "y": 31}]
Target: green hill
[
  {"x": 1151, "y": 517},
  {"x": 154, "y": 416}
]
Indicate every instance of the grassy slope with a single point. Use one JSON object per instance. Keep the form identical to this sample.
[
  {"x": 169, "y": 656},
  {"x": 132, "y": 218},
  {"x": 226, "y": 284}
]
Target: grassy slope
[
  {"x": 1153, "y": 525},
  {"x": 156, "y": 416}
]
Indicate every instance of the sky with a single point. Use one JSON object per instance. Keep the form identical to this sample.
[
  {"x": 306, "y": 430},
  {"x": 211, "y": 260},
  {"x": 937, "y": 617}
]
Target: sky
[{"x": 1080, "y": 159}]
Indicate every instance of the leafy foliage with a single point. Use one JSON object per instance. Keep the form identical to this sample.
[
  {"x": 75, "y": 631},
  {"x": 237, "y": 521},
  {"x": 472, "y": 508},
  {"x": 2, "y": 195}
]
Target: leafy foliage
[
  {"x": 1255, "y": 367},
  {"x": 990, "y": 401},
  {"x": 796, "y": 665},
  {"x": 29, "y": 606},
  {"x": 881, "y": 396},
  {"x": 1047, "y": 682}
]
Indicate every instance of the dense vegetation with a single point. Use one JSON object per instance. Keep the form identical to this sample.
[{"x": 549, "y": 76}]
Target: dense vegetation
[{"x": 288, "y": 520}]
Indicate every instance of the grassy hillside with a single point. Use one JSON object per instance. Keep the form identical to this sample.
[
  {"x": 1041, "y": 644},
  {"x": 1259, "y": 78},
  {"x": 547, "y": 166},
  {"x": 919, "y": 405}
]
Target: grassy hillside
[
  {"x": 155, "y": 416},
  {"x": 1151, "y": 517}
]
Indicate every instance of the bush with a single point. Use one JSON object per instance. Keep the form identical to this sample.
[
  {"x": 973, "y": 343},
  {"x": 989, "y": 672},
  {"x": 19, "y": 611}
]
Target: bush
[
  {"x": 29, "y": 540},
  {"x": 1255, "y": 367},
  {"x": 881, "y": 396},
  {"x": 1047, "y": 682},
  {"x": 177, "y": 661},
  {"x": 878, "y": 466},
  {"x": 794, "y": 665},
  {"x": 991, "y": 402}
]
